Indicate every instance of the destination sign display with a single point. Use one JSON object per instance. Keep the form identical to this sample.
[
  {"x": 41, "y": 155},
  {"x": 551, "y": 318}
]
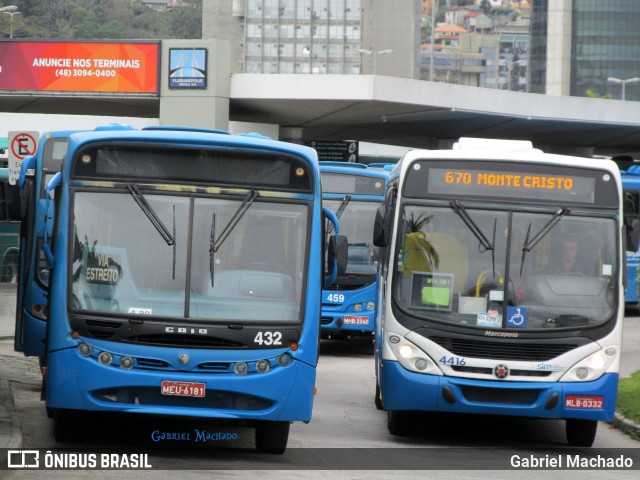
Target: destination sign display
[
  {"x": 352, "y": 184},
  {"x": 546, "y": 183},
  {"x": 511, "y": 184}
]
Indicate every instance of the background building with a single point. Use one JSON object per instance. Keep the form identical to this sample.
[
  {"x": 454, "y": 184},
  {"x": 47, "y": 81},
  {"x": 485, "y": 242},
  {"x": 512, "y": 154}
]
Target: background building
[
  {"x": 577, "y": 45},
  {"x": 318, "y": 36},
  {"x": 558, "y": 47}
]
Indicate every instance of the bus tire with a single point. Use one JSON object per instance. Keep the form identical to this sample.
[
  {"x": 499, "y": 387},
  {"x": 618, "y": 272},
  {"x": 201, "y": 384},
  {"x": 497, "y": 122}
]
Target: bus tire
[
  {"x": 398, "y": 422},
  {"x": 10, "y": 270},
  {"x": 378, "y": 399},
  {"x": 581, "y": 433},
  {"x": 272, "y": 437}
]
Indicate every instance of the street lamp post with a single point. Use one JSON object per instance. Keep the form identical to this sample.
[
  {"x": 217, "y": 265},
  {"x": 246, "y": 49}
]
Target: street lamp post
[
  {"x": 434, "y": 11},
  {"x": 10, "y": 10},
  {"x": 375, "y": 54},
  {"x": 623, "y": 83}
]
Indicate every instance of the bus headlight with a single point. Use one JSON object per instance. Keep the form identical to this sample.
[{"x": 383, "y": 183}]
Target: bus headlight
[
  {"x": 357, "y": 307},
  {"x": 105, "y": 358},
  {"x": 592, "y": 367},
  {"x": 411, "y": 356},
  {"x": 126, "y": 363},
  {"x": 84, "y": 349},
  {"x": 262, "y": 366},
  {"x": 240, "y": 368},
  {"x": 371, "y": 306},
  {"x": 284, "y": 360},
  {"x": 405, "y": 351}
]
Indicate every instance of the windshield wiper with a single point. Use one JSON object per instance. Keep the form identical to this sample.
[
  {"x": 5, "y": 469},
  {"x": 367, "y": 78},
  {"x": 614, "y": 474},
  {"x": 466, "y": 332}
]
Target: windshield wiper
[
  {"x": 155, "y": 221},
  {"x": 458, "y": 207},
  {"x": 529, "y": 244},
  {"x": 151, "y": 214},
  {"x": 345, "y": 201},
  {"x": 215, "y": 244}
]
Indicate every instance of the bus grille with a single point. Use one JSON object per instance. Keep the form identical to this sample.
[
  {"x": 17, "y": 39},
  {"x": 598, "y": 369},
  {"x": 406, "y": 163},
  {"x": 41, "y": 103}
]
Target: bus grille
[
  {"x": 534, "y": 352},
  {"x": 506, "y": 396},
  {"x": 194, "y": 341},
  {"x": 513, "y": 373}
]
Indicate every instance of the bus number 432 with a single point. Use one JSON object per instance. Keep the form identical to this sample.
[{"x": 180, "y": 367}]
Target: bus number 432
[{"x": 268, "y": 338}]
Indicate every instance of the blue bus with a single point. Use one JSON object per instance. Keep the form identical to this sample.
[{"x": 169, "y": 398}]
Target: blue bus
[
  {"x": 9, "y": 228},
  {"x": 502, "y": 286},
  {"x": 32, "y": 292},
  {"x": 32, "y": 296},
  {"x": 185, "y": 271},
  {"x": 353, "y": 192},
  {"x": 631, "y": 188}
]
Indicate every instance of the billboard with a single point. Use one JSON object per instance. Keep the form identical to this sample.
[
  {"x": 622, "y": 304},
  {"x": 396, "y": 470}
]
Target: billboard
[
  {"x": 80, "y": 67},
  {"x": 187, "y": 68}
]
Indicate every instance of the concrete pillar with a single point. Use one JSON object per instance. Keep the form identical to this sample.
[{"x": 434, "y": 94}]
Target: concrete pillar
[
  {"x": 197, "y": 107},
  {"x": 559, "y": 47}
]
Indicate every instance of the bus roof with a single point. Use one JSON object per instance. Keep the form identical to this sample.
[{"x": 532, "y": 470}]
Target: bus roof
[
  {"x": 531, "y": 155},
  {"x": 189, "y": 136},
  {"x": 353, "y": 169}
]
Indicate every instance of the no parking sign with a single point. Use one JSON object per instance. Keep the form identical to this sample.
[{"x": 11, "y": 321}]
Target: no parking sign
[{"x": 21, "y": 145}]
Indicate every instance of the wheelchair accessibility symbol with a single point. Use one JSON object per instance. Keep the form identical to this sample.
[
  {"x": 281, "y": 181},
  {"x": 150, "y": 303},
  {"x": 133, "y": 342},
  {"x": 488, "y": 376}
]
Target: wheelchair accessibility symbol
[{"x": 516, "y": 317}]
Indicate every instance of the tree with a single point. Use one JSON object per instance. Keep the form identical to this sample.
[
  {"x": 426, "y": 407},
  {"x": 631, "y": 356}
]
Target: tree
[{"x": 106, "y": 19}]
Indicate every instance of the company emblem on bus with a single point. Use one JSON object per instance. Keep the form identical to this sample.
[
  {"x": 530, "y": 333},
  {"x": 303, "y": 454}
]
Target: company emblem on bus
[{"x": 501, "y": 371}]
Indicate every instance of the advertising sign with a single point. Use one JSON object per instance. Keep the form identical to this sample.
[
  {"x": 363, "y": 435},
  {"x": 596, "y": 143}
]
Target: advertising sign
[
  {"x": 21, "y": 145},
  {"x": 187, "y": 68},
  {"x": 81, "y": 67}
]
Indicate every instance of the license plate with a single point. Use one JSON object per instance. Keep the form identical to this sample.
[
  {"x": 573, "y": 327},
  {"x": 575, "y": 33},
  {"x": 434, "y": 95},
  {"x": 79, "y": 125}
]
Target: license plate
[
  {"x": 583, "y": 401},
  {"x": 356, "y": 320},
  {"x": 183, "y": 389}
]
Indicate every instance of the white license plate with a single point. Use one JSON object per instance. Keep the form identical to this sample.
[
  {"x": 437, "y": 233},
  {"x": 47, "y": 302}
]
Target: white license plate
[
  {"x": 183, "y": 389},
  {"x": 356, "y": 320},
  {"x": 584, "y": 401}
]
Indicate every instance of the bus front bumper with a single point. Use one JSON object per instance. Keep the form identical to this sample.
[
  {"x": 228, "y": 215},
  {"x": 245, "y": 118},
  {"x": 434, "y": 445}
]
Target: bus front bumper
[
  {"x": 405, "y": 390},
  {"x": 281, "y": 394}
]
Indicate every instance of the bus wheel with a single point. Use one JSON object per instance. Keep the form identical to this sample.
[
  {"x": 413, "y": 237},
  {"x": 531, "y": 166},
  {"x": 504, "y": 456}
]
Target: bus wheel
[
  {"x": 398, "y": 422},
  {"x": 272, "y": 437},
  {"x": 69, "y": 426},
  {"x": 581, "y": 433},
  {"x": 378, "y": 399},
  {"x": 10, "y": 270}
]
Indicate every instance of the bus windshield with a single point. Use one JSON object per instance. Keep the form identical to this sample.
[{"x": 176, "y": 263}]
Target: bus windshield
[
  {"x": 506, "y": 269},
  {"x": 356, "y": 223},
  {"x": 122, "y": 265}
]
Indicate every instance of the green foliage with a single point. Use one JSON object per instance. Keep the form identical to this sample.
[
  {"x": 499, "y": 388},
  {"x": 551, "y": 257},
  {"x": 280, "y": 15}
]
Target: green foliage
[
  {"x": 591, "y": 94},
  {"x": 101, "y": 19},
  {"x": 628, "y": 404}
]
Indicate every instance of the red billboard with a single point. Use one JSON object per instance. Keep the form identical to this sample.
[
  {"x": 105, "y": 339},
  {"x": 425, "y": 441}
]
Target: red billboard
[{"x": 80, "y": 67}]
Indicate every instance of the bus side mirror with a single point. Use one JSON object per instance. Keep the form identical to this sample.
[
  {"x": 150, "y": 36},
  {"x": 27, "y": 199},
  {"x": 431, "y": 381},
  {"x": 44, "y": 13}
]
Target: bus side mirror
[
  {"x": 338, "y": 252},
  {"x": 382, "y": 226},
  {"x": 633, "y": 234}
]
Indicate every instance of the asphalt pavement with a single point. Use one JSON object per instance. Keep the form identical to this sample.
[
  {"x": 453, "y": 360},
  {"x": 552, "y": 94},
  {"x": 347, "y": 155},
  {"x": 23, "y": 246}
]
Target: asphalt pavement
[{"x": 11, "y": 436}]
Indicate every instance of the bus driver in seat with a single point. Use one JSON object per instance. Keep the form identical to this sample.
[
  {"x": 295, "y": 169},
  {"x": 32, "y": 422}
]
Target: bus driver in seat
[{"x": 569, "y": 260}]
